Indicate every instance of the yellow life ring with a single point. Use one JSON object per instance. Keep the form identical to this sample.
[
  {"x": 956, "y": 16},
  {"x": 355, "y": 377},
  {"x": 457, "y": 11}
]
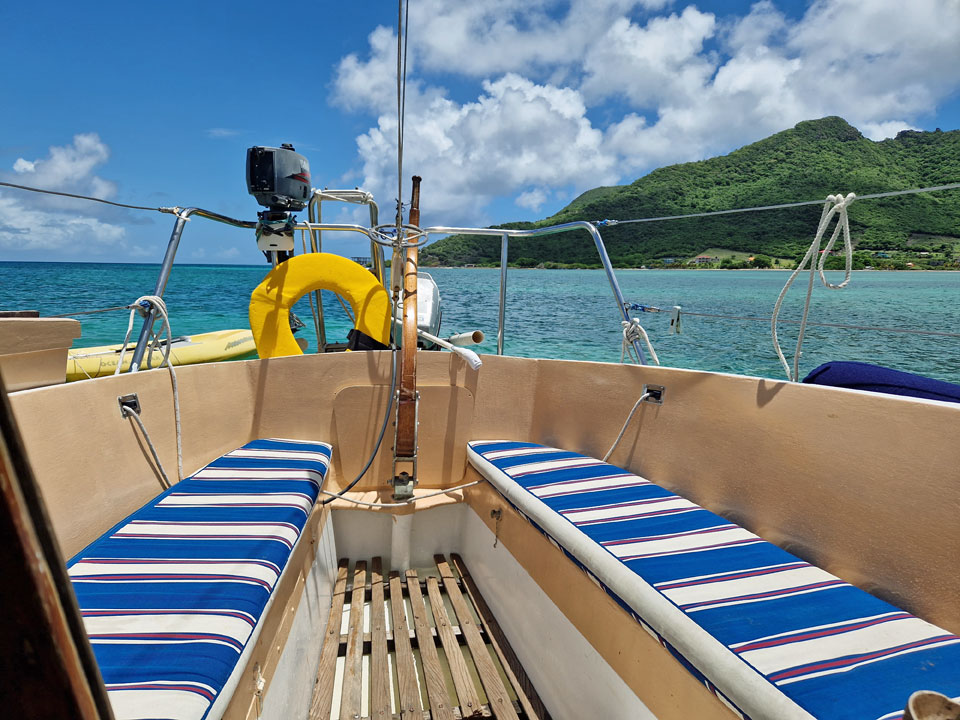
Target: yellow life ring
[{"x": 272, "y": 299}]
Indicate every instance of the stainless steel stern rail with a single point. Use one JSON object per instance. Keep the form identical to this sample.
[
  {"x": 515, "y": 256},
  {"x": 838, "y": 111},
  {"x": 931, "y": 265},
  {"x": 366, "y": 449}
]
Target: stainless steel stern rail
[
  {"x": 174, "y": 243},
  {"x": 505, "y": 235}
]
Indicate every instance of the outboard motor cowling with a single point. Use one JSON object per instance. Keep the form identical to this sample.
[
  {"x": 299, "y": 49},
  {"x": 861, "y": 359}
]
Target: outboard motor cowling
[{"x": 279, "y": 178}]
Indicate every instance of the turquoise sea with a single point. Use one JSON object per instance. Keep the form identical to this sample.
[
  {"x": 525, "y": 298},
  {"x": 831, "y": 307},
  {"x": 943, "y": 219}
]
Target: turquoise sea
[{"x": 560, "y": 313}]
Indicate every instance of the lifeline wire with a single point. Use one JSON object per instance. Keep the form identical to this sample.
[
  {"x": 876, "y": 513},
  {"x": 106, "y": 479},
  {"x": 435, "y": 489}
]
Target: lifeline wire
[
  {"x": 90, "y": 312},
  {"x": 845, "y": 326},
  {"x": 83, "y": 197},
  {"x": 869, "y": 196}
]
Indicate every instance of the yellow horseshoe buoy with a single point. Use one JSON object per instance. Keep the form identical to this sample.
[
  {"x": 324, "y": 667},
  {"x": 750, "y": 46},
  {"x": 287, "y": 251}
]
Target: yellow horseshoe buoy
[{"x": 272, "y": 299}]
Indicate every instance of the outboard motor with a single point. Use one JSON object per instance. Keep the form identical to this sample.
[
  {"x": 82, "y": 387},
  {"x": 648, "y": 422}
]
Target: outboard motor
[
  {"x": 279, "y": 178},
  {"x": 428, "y": 308}
]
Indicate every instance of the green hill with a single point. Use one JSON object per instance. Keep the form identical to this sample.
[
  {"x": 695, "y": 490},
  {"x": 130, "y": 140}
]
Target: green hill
[{"x": 815, "y": 158}]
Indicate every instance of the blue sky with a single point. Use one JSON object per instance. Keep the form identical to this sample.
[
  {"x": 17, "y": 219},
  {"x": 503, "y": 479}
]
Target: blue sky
[{"x": 513, "y": 106}]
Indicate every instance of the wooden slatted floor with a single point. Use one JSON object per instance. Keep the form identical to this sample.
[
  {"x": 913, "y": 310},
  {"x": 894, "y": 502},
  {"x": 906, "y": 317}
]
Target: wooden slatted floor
[{"x": 417, "y": 646}]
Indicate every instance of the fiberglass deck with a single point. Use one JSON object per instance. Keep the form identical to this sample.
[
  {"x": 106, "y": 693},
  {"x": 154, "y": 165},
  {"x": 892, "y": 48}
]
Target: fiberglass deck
[{"x": 417, "y": 646}]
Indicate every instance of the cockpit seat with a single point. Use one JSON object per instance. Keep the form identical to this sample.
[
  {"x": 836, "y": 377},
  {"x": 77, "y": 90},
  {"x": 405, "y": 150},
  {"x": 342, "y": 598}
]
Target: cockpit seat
[
  {"x": 771, "y": 635},
  {"x": 173, "y": 596}
]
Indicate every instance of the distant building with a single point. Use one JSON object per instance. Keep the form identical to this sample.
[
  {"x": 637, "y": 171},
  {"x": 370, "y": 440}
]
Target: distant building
[
  {"x": 704, "y": 260},
  {"x": 668, "y": 261}
]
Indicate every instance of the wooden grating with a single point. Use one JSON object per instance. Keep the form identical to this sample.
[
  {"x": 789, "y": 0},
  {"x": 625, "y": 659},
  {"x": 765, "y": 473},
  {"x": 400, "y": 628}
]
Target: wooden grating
[{"x": 417, "y": 646}]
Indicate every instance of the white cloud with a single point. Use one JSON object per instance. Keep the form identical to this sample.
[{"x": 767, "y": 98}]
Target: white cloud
[
  {"x": 757, "y": 29},
  {"x": 597, "y": 91},
  {"x": 24, "y": 228},
  {"x": 70, "y": 166},
  {"x": 221, "y": 133},
  {"x": 516, "y": 134},
  {"x": 532, "y": 199},
  {"x": 883, "y": 130},
  {"x": 873, "y": 63},
  {"x": 42, "y": 222},
  {"x": 481, "y": 39},
  {"x": 661, "y": 62}
]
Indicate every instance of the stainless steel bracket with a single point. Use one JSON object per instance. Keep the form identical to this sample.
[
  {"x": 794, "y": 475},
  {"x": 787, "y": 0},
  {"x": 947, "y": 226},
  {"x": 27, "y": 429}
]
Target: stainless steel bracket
[{"x": 404, "y": 482}]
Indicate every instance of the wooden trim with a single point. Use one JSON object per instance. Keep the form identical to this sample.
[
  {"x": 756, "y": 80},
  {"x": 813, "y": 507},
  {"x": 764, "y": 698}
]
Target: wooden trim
[
  {"x": 323, "y": 689},
  {"x": 406, "y": 668},
  {"x": 463, "y": 683},
  {"x": 496, "y": 693},
  {"x": 526, "y": 694},
  {"x": 432, "y": 672},
  {"x": 422, "y": 689},
  {"x": 350, "y": 698},
  {"x": 379, "y": 665},
  {"x": 407, "y": 399},
  {"x": 277, "y": 623}
]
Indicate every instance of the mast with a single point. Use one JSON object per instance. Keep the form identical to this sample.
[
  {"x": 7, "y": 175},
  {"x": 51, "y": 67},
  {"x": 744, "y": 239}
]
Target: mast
[{"x": 405, "y": 447}]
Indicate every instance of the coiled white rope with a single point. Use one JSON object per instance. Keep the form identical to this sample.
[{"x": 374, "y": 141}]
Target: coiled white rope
[
  {"x": 834, "y": 205},
  {"x": 141, "y": 306},
  {"x": 632, "y": 332}
]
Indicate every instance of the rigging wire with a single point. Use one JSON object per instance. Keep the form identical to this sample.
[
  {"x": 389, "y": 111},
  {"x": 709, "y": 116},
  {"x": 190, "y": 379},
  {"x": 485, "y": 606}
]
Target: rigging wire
[
  {"x": 84, "y": 197},
  {"x": 402, "y": 25},
  {"x": 91, "y": 312},
  {"x": 844, "y": 326},
  {"x": 781, "y": 206}
]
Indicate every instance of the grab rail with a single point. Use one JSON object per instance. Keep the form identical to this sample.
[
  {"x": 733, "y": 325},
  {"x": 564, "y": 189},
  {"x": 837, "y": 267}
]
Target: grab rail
[
  {"x": 314, "y": 227},
  {"x": 167, "y": 265},
  {"x": 505, "y": 235}
]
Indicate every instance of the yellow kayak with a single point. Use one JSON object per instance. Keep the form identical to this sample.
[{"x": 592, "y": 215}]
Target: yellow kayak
[{"x": 83, "y": 363}]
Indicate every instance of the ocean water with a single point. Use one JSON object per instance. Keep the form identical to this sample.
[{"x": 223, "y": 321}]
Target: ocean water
[{"x": 560, "y": 313}]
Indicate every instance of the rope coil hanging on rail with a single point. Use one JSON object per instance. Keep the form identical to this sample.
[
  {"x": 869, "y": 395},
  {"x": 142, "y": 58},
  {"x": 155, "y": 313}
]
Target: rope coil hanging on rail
[
  {"x": 633, "y": 332},
  {"x": 143, "y": 306},
  {"x": 836, "y": 205}
]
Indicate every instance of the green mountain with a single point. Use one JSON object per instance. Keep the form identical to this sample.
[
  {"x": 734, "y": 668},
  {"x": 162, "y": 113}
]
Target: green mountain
[{"x": 810, "y": 161}]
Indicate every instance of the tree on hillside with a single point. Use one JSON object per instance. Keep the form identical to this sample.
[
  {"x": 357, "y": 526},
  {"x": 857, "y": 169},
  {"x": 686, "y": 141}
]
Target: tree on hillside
[{"x": 761, "y": 261}]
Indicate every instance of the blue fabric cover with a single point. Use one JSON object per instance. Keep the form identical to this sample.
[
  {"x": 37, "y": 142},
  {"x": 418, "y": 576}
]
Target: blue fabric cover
[
  {"x": 171, "y": 595},
  {"x": 834, "y": 650},
  {"x": 864, "y": 376}
]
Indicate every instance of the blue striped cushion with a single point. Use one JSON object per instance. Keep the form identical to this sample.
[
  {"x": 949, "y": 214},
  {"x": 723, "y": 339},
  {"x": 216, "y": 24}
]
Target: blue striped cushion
[
  {"x": 172, "y": 595},
  {"x": 771, "y": 635}
]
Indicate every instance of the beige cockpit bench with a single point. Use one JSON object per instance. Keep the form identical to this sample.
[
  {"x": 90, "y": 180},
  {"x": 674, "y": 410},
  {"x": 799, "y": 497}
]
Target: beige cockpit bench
[
  {"x": 173, "y": 597},
  {"x": 771, "y": 635}
]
